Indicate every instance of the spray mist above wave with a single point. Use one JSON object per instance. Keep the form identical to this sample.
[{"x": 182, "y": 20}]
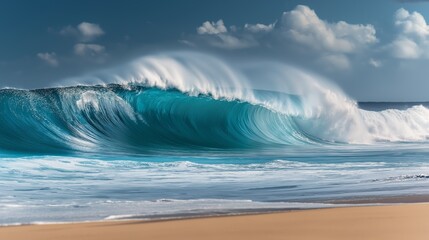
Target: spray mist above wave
[
  {"x": 193, "y": 100},
  {"x": 197, "y": 73}
]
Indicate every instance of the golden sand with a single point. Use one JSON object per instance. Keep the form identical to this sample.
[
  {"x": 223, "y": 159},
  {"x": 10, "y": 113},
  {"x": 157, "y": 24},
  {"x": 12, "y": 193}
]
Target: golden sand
[{"x": 395, "y": 222}]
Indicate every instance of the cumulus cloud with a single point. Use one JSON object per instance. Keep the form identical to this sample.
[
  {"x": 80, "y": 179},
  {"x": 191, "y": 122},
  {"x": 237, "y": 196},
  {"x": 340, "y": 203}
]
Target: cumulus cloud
[
  {"x": 412, "y": 41},
  {"x": 49, "y": 58},
  {"x": 212, "y": 27},
  {"x": 303, "y": 26},
  {"x": 406, "y": 48},
  {"x": 90, "y": 30},
  {"x": 85, "y": 49},
  {"x": 84, "y": 31},
  {"x": 330, "y": 43},
  {"x": 413, "y": 24},
  {"x": 217, "y": 35},
  {"x": 259, "y": 27}
]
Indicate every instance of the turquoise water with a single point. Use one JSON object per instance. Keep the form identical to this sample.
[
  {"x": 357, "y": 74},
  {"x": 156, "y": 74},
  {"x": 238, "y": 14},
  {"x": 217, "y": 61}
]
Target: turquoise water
[{"x": 182, "y": 138}]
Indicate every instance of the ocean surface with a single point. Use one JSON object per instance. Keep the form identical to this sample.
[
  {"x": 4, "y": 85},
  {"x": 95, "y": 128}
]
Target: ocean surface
[{"x": 182, "y": 133}]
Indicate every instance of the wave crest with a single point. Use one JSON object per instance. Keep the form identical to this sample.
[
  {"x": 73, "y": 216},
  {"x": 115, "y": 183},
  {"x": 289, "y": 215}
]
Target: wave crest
[{"x": 193, "y": 100}]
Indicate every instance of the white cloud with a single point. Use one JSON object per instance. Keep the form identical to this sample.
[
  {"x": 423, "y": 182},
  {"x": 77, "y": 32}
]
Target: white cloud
[
  {"x": 303, "y": 26},
  {"x": 90, "y": 30},
  {"x": 375, "y": 63},
  {"x": 49, "y": 58},
  {"x": 412, "y": 41},
  {"x": 329, "y": 42},
  {"x": 259, "y": 27},
  {"x": 406, "y": 48},
  {"x": 212, "y": 27},
  {"x": 411, "y": 23},
  {"x": 216, "y": 34},
  {"x": 85, "y": 31},
  {"x": 84, "y": 49}
]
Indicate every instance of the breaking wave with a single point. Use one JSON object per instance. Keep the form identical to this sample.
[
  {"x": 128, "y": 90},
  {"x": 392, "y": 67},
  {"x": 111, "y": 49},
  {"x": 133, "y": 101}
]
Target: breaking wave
[{"x": 190, "y": 100}]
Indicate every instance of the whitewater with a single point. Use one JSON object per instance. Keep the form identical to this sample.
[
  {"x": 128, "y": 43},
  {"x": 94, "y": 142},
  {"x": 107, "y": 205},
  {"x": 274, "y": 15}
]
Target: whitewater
[{"x": 187, "y": 133}]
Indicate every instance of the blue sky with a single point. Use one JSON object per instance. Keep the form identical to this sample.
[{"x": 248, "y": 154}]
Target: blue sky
[{"x": 375, "y": 50}]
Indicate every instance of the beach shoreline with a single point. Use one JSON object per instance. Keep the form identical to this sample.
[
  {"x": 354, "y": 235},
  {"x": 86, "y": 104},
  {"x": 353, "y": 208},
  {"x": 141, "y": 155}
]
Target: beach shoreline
[
  {"x": 387, "y": 221},
  {"x": 359, "y": 201}
]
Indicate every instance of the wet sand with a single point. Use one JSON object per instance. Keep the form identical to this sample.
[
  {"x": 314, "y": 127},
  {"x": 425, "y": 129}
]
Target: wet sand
[{"x": 394, "y": 222}]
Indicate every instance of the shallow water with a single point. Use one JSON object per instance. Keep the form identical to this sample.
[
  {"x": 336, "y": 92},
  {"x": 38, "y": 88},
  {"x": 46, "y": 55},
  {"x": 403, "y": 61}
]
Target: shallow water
[{"x": 72, "y": 188}]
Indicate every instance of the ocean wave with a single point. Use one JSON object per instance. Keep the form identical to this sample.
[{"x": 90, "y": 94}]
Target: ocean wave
[{"x": 187, "y": 100}]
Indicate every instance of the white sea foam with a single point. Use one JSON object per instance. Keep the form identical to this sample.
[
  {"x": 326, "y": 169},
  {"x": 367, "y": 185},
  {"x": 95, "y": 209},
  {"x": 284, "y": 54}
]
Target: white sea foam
[
  {"x": 57, "y": 189},
  {"x": 159, "y": 209}
]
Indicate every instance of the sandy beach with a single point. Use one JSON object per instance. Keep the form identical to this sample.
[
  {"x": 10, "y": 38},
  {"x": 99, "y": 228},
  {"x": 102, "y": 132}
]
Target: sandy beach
[{"x": 405, "y": 221}]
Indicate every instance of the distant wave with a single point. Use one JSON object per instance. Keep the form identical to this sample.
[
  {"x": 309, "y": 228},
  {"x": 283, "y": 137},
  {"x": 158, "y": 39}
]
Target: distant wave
[{"x": 192, "y": 100}]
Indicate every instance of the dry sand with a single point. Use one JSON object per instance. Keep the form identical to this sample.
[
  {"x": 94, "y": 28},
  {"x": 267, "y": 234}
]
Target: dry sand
[{"x": 401, "y": 222}]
